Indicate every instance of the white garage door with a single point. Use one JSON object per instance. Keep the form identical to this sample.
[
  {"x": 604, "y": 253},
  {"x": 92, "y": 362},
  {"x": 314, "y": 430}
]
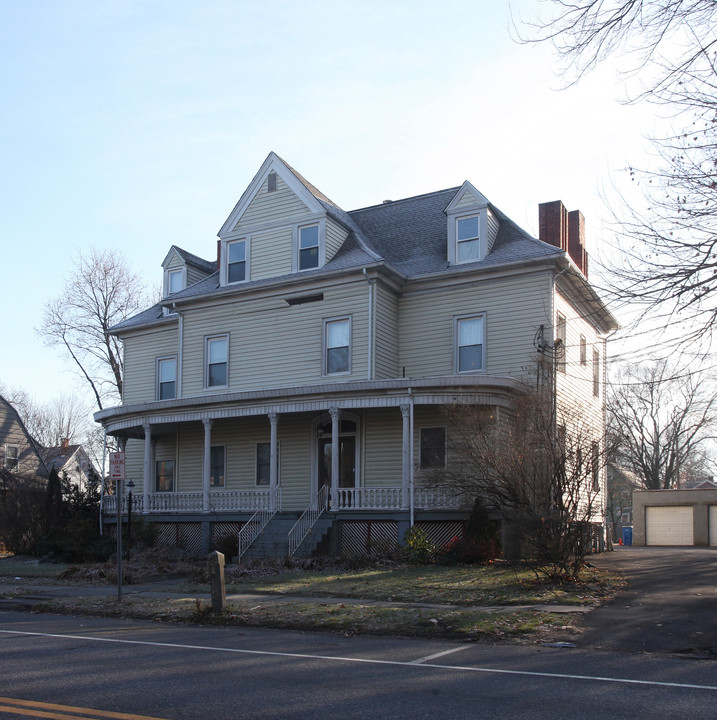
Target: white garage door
[
  {"x": 669, "y": 525},
  {"x": 713, "y": 524}
]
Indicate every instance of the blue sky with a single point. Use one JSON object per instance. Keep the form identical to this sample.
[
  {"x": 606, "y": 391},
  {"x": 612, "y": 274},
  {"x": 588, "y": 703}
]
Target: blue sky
[{"x": 137, "y": 125}]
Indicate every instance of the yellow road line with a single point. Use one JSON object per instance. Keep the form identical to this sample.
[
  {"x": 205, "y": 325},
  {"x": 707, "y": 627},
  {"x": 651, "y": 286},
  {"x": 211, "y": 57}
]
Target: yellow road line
[{"x": 45, "y": 710}]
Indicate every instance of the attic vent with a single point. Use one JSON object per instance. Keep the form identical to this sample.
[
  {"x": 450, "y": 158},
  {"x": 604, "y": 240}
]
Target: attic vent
[
  {"x": 305, "y": 299},
  {"x": 387, "y": 202},
  {"x": 271, "y": 182}
]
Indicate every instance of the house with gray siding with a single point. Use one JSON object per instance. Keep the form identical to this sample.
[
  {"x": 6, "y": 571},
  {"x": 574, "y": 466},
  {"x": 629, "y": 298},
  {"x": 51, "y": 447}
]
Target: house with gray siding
[
  {"x": 20, "y": 455},
  {"x": 296, "y": 386}
]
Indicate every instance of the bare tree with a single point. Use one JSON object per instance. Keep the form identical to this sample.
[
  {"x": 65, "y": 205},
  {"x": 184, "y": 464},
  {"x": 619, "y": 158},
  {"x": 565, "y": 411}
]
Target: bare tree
[
  {"x": 100, "y": 292},
  {"x": 662, "y": 423},
  {"x": 537, "y": 472},
  {"x": 667, "y": 51}
]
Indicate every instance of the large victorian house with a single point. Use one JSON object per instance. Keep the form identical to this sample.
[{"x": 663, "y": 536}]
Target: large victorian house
[{"x": 297, "y": 384}]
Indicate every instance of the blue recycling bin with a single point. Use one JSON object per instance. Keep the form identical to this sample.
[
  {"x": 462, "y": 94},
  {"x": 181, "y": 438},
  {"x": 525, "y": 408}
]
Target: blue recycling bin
[{"x": 627, "y": 535}]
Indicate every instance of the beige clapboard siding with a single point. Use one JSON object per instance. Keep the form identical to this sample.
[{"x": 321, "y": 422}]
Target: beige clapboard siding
[
  {"x": 335, "y": 236},
  {"x": 271, "y": 343},
  {"x": 271, "y": 253},
  {"x": 12, "y": 433},
  {"x": 134, "y": 463},
  {"x": 515, "y": 307},
  {"x": 280, "y": 205},
  {"x": 141, "y": 351},
  {"x": 383, "y": 454},
  {"x": 194, "y": 275},
  {"x": 575, "y": 385},
  {"x": 493, "y": 227},
  {"x": 176, "y": 262},
  {"x": 386, "y": 334},
  {"x": 466, "y": 201}
]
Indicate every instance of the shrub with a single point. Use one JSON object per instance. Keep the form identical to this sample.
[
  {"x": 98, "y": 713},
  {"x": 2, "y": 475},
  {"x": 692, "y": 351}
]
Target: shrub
[{"x": 420, "y": 550}]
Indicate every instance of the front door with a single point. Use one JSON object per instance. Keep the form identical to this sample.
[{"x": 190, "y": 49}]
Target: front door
[{"x": 347, "y": 461}]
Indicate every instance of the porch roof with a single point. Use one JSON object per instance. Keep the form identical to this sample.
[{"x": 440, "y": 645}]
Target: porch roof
[{"x": 474, "y": 389}]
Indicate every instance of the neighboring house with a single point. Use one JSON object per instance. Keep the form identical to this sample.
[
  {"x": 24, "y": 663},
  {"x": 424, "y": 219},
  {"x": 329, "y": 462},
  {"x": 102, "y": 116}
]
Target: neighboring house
[
  {"x": 71, "y": 462},
  {"x": 620, "y": 485},
  {"x": 308, "y": 368},
  {"x": 20, "y": 455}
]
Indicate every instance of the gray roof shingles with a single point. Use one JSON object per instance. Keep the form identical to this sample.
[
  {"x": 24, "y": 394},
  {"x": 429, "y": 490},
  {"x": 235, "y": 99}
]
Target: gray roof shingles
[{"x": 410, "y": 236}]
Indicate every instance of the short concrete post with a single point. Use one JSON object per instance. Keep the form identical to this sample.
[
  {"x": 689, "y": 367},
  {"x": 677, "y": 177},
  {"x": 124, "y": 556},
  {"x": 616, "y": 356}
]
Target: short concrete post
[{"x": 216, "y": 582}]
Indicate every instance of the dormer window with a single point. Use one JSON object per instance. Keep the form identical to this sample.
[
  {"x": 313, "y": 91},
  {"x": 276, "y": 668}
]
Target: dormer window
[
  {"x": 308, "y": 247},
  {"x": 468, "y": 238},
  {"x": 174, "y": 281},
  {"x": 236, "y": 261}
]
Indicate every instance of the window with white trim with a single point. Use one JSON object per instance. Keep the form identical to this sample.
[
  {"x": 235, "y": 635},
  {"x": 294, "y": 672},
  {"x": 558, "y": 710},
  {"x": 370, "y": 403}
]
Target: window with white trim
[
  {"x": 337, "y": 346},
  {"x": 468, "y": 238},
  {"x": 167, "y": 378},
  {"x": 470, "y": 343},
  {"x": 12, "y": 457},
  {"x": 596, "y": 373},
  {"x": 560, "y": 347},
  {"x": 217, "y": 361},
  {"x": 433, "y": 448},
  {"x": 308, "y": 250},
  {"x": 175, "y": 281},
  {"x": 236, "y": 261},
  {"x": 217, "y": 470},
  {"x": 164, "y": 477},
  {"x": 263, "y": 463}
]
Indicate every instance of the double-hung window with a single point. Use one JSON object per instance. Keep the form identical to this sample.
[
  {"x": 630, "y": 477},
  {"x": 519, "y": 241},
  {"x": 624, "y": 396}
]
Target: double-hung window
[
  {"x": 468, "y": 238},
  {"x": 164, "y": 477},
  {"x": 470, "y": 343},
  {"x": 596, "y": 373},
  {"x": 337, "y": 346},
  {"x": 217, "y": 361},
  {"x": 12, "y": 457},
  {"x": 216, "y": 466},
  {"x": 236, "y": 261},
  {"x": 308, "y": 247},
  {"x": 433, "y": 448},
  {"x": 560, "y": 348},
  {"x": 175, "y": 281},
  {"x": 263, "y": 462},
  {"x": 167, "y": 378}
]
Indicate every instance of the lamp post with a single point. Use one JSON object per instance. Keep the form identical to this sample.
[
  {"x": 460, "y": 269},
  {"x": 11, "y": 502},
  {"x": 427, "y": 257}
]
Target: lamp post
[{"x": 130, "y": 485}]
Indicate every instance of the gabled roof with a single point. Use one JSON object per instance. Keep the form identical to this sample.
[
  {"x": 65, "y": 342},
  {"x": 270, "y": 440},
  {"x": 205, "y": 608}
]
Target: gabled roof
[
  {"x": 36, "y": 447},
  {"x": 409, "y": 237},
  {"x": 206, "y": 266}
]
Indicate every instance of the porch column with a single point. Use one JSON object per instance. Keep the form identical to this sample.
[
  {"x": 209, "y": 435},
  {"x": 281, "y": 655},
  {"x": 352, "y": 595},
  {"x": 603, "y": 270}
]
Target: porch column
[
  {"x": 207, "y": 464},
  {"x": 147, "y": 480},
  {"x": 406, "y": 456},
  {"x": 335, "y": 432},
  {"x": 273, "y": 458}
]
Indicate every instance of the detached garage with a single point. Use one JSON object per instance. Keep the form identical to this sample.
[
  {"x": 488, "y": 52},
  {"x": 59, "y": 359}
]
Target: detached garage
[{"x": 674, "y": 517}]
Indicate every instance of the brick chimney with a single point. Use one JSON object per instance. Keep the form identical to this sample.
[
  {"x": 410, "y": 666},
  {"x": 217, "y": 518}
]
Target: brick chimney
[
  {"x": 64, "y": 444},
  {"x": 219, "y": 253},
  {"x": 564, "y": 230}
]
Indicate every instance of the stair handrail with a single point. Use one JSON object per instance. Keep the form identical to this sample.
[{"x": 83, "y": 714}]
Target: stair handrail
[
  {"x": 253, "y": 527},
  {"x": 302, "y": 527}
]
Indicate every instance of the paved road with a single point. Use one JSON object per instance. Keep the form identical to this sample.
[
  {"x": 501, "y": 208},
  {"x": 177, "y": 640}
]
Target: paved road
[
  {"x": 669, "y": 606},
  {"x": 178, "y": 673}
]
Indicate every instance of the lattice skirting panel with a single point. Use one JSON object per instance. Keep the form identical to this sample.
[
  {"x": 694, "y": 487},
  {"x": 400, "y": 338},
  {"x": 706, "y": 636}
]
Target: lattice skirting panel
[
  {"x": 368, "y": 537},
  {"x": 440, "y": 533},
  {"x": 187, "y": 536},
  {"x": 225, "y": 538}
]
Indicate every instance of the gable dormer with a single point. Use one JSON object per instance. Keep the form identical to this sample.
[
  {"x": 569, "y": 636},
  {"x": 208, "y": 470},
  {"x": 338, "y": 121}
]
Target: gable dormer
[
  {"x": 175, "y": 272},
  {"x": 472, "y": 226},
  {"x": 279, "y": 226}
]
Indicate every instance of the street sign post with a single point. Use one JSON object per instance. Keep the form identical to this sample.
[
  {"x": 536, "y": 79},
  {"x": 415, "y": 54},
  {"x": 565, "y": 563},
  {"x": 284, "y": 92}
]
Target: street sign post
[{"x": 117, "y": 466}]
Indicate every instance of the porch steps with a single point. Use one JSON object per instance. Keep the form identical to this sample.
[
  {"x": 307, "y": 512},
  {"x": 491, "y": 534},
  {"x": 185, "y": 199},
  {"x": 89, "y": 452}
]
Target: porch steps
[{"x": 273, "y": 542}]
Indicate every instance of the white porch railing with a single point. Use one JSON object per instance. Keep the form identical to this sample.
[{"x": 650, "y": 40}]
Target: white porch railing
[
  {"x": 307, "y": 520},
  {"x": 251, "y": 529},
  {"x": 368, "y": 498},
  {"x": 362, "y": 498}
]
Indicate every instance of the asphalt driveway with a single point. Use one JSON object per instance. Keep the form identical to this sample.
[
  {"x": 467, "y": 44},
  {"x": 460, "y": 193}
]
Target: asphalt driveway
[{"x": 669, "y": 606}]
